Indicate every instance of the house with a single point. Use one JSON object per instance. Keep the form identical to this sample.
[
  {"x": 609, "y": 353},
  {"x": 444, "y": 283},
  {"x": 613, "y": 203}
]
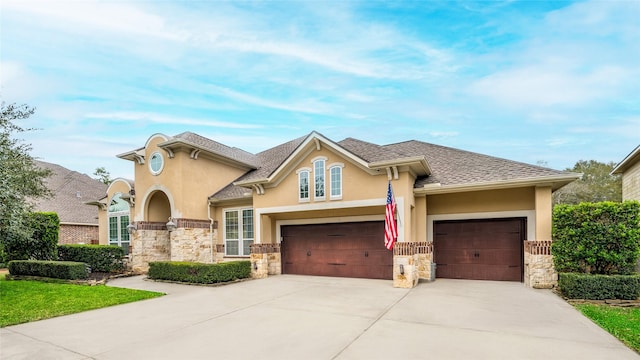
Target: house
[
  {"x": 629, "y": 169},
  {"x": 71, "y": 190},
  {"x": 317, "y": 207}
]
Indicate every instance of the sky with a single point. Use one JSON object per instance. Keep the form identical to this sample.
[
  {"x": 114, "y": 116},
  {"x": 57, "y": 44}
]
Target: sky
[{"x": 549, "y": 82}]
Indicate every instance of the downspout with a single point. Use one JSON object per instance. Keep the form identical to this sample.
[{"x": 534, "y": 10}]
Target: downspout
[{"x": 210, "y": 227}]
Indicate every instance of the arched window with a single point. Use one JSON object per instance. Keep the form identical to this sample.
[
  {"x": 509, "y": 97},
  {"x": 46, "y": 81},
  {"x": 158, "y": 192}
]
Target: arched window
[
  {"x": 118, "y": 215},
  {"x": 335, "y": 173},
  {"x": 303, "y": 184},
  {"x": 318, "y": 174}
]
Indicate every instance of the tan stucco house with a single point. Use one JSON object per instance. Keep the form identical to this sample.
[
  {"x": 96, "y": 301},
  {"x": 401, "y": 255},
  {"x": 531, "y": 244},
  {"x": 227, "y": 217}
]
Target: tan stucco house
[
  {"x": 70, "y": 191},
  {"x": 629, "y": 169},
  {"x": 316, "y": 206}
]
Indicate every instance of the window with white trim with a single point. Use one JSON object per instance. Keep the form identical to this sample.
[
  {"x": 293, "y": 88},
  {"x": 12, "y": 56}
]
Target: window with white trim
[
  {"x": 156, "y": 163},
  {"x": 335, "y": 178},
  {"x": 318, "y": 175},
  {"x": 118, "y": 214},
  {"x": 303, "y": 184},
  {"x": 238, "y": 232}
]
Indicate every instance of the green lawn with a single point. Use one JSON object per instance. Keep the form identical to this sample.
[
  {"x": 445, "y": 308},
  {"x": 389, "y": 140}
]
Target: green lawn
[
  {"x": 23, "y": 301},
  {"x": 623, "y": 323}
]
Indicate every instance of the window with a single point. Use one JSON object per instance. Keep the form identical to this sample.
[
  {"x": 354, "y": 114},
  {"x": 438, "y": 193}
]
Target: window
[
  {"x": 303, "y": 184},
  {"x": 118, "y": 214},
  {"x": 335, "y": 173},
  {"x": 318, "y": 173},
  {"x": 156, "y": 163},
  {"x": 238, "y": 232}
]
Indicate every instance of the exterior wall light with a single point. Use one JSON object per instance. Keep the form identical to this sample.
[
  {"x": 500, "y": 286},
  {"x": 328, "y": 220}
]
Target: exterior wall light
[
  {"x": 171, "y": 225},
  {"x": 401, "y": 269},
  {"x": 255, "y": 265},
  {"x": 131, "y": 228}
]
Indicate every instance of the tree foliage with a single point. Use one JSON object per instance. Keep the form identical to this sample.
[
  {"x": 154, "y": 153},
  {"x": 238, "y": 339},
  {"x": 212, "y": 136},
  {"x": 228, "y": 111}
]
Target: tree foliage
[
  {"x": 601, "y": 238},
  {"x": 21, "y": 180},
  {"x": 42, "y": 244},
  {"x": 102, "y": 175},
  {"x": 596, "y": 184}
]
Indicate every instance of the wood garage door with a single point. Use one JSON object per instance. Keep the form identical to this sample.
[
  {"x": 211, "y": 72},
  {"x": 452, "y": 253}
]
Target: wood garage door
[
  {"x": 342, "y": 249},
  {"x": 488, "y": 249}
]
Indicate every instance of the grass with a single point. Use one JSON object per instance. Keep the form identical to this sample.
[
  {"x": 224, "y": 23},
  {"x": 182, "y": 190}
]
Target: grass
[
  {"x": 23, "y": 301},
  {"x": 623, "y": 323}
]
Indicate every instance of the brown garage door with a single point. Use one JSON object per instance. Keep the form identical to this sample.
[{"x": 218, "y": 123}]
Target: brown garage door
[
  {"x": 488, "y": 249},
  {"x": 342, "y": 249}
]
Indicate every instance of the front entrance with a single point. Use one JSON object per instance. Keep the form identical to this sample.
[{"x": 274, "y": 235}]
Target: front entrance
[
  {"x": 486, "y": 249},
  {"x": 340, "y": 249}
]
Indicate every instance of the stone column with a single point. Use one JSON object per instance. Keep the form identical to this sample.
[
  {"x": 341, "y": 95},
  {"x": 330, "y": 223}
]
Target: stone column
[
  {"x": 405, "y": 271},
  {"x": 539, "y": 272},
  {"x": 259, "y": 266}
]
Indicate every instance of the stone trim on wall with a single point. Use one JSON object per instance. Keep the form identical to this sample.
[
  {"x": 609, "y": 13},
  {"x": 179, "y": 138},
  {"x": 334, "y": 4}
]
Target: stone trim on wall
[
  {"x": 542, "y": 247},
  {"x": 150, "y": 225},
  {"x": 411, "y": 248},
  {"x": 264, "y": 248}
]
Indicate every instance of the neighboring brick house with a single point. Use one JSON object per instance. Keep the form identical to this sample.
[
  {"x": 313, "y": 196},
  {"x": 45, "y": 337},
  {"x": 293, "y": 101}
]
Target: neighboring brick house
[
  {"x": 629, "y": 169},
  {"x": 71, "y": 190},
  {"x": 317, "y": 207}
]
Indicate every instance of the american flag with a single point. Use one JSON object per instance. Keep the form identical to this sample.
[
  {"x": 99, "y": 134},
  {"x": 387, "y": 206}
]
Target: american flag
[{"x": 390, "y": 227}]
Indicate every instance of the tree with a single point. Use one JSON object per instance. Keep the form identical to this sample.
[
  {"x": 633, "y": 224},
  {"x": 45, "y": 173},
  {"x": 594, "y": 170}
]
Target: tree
[
  {"x": 103, "y": 175},
  {"x": 596, "y": 184},
  {"x": 21, "y": 180}
]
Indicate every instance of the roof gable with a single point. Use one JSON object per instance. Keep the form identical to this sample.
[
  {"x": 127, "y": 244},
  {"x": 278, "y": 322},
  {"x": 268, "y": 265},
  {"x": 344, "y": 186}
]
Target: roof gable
[{"x": 628, "y": 161}]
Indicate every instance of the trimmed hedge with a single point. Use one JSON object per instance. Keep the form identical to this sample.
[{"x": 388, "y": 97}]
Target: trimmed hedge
[
  {"x": 200, "y": 273},
  {"x": 599, "y": 287},
  {"x": 51, "y": 269},
  {"x": 101, "y": 258},
  {"x": 599, "y": 238}
]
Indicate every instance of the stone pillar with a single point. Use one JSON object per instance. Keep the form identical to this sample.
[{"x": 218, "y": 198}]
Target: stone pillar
[
  {"x": 539, "y": 272},
  {"x": 405, "y": 271},
  {"x": 424, "y": 264},
  {"x": 274, "y": 263},
  {"x": 259, "y": 266},
  {"x": 148, "y": 244}
]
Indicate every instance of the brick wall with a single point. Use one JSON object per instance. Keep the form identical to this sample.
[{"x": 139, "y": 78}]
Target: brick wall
[{"x": 78, "y": 234}]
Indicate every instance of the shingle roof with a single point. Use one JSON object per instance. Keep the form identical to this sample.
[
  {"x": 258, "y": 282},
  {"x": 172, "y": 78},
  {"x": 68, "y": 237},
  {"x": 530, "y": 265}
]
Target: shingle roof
[
  {"x": 448, "y": 166},
  {"x": 71, "y": 190},
  {"x": 218, "y": 148},
  {"x": 451, "y": 166}
]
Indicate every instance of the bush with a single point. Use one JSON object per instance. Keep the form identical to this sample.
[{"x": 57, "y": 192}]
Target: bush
[
  {"x": 101, "y": 258},
  {"x": 52, "y": 269},
  {"x": 596, "y": 238},
  {"x": 37, "y": 239},
  {"x": 199, "y": 273},
  {"x": 599, "y": 287}
]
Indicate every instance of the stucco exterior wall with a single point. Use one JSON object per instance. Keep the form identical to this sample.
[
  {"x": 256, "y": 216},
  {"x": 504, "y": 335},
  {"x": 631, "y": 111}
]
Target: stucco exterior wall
[
  {"x": 544, "y": 207},
  {"x": 631, "y": 183},
  {"x": 187, "y": 182},
  {"x": 482, "y": 201}
]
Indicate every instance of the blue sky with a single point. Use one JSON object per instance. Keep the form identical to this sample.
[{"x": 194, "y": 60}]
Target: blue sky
[{"x": 552, "y": 81}]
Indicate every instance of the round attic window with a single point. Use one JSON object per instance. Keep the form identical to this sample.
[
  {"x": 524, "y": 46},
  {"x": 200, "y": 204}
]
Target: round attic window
[{"x": 156, "y": 163}]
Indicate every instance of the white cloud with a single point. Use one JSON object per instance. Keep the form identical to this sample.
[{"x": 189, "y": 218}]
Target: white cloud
[
  {"x": 444, "y": 134},
  {"x": 147, "y": 117}
]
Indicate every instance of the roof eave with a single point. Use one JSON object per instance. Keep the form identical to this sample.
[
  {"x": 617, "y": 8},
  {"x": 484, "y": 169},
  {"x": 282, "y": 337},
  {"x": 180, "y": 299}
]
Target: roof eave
[
  {"x": 417, "y": 162},
  {"x": 175, "y": 144},
  {"x": 627, "y": 161},
  {"x": 554, "y": 181}
]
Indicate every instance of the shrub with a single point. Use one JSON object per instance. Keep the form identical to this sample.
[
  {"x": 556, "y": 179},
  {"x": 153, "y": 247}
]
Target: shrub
[
  {"x": 199, "y": 273},
  {"x": 596, "y": 238},
  {"x": 599, "y": 287},
  {"x": 37, "y": 240},
  {"x": 52, "y": 269},
  {"x": 102, "y": 258}
]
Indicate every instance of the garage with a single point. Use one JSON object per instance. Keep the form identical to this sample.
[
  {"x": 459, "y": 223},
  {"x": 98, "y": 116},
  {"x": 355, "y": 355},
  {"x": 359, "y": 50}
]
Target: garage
[
  {"x": 485, "y": 249},
  {"x": 339, "y": 249}
]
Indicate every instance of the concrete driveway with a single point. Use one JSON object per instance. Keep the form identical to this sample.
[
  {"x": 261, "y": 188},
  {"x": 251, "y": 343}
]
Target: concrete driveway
[{"x": 302, "y": 317}]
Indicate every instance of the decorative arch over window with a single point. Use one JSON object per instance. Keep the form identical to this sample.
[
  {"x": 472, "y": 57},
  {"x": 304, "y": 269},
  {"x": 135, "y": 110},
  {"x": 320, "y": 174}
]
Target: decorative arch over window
[
  {"x": 335, "y": 181},
  {"x": 118, "y": 220},
  {"x": 319, "y": 177}
]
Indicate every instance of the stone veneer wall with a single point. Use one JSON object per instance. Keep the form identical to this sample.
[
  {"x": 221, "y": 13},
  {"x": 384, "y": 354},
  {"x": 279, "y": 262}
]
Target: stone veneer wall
[
  {"x": 190, "y": 241},
  {"x": 148, "y": 245},
  {"x": 416, "y": 259},
  {"x": 265, "y": 260},
  {"x": 539, "y": 272}
]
